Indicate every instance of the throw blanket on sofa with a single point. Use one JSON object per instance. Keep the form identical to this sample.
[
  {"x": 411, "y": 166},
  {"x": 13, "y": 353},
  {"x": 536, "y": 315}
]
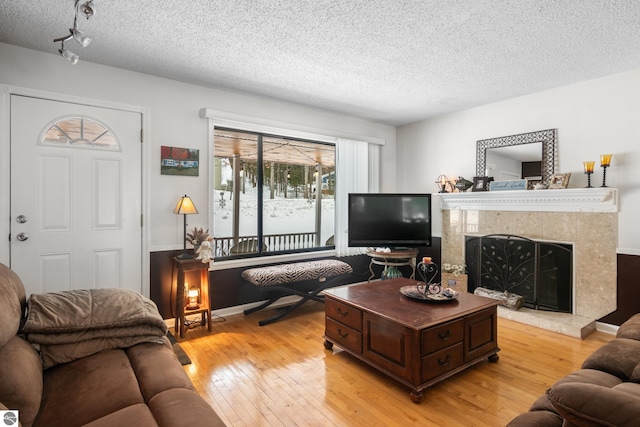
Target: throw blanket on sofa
[{"x": 65, "y": 326}]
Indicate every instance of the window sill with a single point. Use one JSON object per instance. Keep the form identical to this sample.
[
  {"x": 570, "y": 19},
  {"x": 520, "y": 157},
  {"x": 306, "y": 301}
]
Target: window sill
[{"x": 250, "y": 262}]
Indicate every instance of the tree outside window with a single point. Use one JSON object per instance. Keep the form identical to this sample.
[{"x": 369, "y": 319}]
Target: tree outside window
[{"x": 272, "y": 194}]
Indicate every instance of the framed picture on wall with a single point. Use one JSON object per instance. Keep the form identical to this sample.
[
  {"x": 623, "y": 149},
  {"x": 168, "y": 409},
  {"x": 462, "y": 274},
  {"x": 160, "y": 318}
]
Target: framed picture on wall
[
  {"x": 480, "y": 183},
  {"x": 179, "y": 161}
]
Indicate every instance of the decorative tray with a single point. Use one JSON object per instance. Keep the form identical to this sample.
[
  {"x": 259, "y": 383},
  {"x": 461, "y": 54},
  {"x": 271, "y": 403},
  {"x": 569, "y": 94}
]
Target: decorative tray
[{"x": 412, "y": 291}]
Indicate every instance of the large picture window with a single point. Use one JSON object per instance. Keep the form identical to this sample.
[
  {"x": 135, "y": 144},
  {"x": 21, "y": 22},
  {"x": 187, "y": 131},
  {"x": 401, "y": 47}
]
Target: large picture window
[{"x": 272, "y": 194}]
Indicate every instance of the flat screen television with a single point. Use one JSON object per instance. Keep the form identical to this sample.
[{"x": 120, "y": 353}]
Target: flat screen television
[{"x": 389, "y": 220}]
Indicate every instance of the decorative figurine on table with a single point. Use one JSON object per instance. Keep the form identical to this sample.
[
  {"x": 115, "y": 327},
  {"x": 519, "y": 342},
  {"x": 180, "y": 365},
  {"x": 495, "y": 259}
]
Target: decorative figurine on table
[
  {"x": 201, "y": 242},
  {"x": 205, "y": 252}
]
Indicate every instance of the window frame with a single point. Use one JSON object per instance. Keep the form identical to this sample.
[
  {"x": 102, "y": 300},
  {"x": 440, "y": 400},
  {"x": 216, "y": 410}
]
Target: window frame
[
  {"x": 224, "y": 119},
  {"x": 260, "y": 197},
  {"x": 80, "y": 143}
]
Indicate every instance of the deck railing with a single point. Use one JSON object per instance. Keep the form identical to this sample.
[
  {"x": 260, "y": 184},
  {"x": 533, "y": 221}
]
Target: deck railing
[{"x": 224, "y": 246}]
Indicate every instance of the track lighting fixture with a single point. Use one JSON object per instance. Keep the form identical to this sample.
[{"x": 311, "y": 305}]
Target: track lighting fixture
[{"x": 88, "y": 9}]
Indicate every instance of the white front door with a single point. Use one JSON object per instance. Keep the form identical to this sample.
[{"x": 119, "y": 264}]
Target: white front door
[{"x": 76, "y": 202}]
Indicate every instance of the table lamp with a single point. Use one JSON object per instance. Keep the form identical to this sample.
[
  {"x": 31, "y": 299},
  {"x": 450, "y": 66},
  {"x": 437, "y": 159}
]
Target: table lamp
[
  {"x": 442, "y": 181},
  {"x": 192, "y": 297},
  {"x": 185, "y": 207}
]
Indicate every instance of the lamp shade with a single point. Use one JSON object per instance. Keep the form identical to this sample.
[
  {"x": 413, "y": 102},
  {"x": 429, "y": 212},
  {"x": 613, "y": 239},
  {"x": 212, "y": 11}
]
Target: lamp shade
[{"x": 185, "y": 206}]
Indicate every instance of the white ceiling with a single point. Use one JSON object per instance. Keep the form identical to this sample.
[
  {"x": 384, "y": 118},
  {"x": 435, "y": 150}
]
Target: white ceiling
[{"x": 393, "y": 62}]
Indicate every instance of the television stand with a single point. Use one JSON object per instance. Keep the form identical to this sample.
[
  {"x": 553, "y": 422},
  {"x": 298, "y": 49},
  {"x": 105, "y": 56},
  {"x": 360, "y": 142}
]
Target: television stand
[{"x": 395, "y": 258}]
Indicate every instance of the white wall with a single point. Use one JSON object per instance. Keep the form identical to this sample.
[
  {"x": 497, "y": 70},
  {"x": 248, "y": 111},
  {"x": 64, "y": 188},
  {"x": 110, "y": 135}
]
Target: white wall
[
  {"x": 174, "y": 120},
  {"x": 592, "y": 118}
]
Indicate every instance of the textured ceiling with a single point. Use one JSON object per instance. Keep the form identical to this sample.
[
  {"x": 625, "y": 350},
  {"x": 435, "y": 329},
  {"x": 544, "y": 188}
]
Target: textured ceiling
[{"x": 394, "y": 62}]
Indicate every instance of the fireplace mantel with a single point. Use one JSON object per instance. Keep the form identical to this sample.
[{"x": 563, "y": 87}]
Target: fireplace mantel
[
  {"x": 568, "y": 216},
  {"x": 565, "y": 200}
]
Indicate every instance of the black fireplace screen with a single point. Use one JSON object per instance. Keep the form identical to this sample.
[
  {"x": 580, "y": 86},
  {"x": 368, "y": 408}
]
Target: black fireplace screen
[{"x": 540, "y": 272}]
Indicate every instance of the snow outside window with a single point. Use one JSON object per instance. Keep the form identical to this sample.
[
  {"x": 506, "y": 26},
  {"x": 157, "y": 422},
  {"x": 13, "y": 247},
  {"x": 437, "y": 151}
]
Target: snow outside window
[{"x": 272, "y": 194}]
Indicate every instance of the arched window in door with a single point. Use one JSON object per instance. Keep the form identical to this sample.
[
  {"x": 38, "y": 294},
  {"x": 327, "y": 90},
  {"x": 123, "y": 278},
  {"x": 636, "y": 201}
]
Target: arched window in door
[{"x": 81, "y": 132}]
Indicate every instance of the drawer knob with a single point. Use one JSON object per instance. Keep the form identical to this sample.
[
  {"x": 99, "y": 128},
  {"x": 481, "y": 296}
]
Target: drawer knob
[
  {"x": 342, "y": 313},
  {"x": 444, "y": 362},
  {"x": 342, "y": 335},
  {"x": 444, "y": 336}
]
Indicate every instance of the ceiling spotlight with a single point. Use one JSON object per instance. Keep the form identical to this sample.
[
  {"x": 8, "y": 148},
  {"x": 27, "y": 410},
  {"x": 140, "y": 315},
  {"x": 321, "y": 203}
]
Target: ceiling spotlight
[
  {"x": 69, "y": 56},
  {"x": 80, "y": 37},
  {"x": 88, "y": 9}
]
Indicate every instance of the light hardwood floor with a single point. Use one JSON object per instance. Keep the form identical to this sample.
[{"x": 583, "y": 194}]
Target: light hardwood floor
[{"x": 281, "y": 375}]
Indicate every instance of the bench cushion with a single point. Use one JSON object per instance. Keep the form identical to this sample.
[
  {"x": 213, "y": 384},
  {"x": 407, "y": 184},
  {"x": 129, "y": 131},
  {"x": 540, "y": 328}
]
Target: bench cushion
[{"x": 296, "y": 272}]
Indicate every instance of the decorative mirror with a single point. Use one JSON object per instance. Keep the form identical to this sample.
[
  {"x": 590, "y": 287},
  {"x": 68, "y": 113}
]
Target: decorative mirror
[{"x": 541, "y": 144}]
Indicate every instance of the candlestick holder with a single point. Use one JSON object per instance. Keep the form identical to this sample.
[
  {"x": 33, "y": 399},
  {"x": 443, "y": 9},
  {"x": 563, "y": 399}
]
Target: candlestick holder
[
  {"x": 604, "y": 176},
  {"x": 605, "y": 162},
  {"x": 428, "y": 271},
  {"x": 588, "y": 169}
]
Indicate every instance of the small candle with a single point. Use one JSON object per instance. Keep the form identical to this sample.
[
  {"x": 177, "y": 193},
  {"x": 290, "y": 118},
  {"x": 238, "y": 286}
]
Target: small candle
[
  {"x": 588, "y": 167},
  {"x": 605, "y": 159},
  {"x": 426, "y": 260}
]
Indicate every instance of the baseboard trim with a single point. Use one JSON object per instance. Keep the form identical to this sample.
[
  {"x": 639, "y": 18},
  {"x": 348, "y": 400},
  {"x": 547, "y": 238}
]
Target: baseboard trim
[{"x": 607, "y": 328}]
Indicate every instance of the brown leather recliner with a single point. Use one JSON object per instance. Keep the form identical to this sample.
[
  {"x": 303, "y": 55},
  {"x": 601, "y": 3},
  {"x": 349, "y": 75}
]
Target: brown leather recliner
[{"x": 142, "y": 385}]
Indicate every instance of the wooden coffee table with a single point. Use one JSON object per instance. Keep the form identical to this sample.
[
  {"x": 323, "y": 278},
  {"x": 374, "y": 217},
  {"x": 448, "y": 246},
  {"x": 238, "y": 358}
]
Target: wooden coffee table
[{"x": 418, "y": 343}]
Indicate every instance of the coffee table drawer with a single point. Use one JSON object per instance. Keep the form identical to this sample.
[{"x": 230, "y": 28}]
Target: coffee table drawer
[
  {"x": 442, "y": 362},
  {"x": 441, "y": 336},
  {"x": 343, "y": 336},
  {"x": 344, "y": 313}
]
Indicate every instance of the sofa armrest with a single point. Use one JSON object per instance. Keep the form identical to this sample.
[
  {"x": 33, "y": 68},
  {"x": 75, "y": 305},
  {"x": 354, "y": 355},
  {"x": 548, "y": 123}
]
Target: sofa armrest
[
  {"x": 630, "y": 329},
  {"x": 618, "y": 357},
  {"x": 593, "y": 405}
]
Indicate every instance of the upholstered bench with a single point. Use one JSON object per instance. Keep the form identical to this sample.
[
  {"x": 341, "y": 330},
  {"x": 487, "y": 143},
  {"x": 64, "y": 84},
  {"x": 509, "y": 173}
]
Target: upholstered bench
[{"x": 281, "y": 280}]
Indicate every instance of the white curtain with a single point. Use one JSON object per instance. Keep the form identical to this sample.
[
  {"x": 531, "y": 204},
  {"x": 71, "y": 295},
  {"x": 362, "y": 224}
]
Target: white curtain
[{"x": 357, "y": 171}]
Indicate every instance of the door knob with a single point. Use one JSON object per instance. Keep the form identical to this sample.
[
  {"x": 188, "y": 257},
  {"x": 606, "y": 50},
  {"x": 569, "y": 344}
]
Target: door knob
[
  {"x": 22, "y": 236},
  {"x": 21, "y": 219}
]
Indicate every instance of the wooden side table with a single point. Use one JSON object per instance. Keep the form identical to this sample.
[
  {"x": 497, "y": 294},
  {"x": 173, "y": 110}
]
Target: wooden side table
[
  {"x": 181, "y": 269},
  {"x": 393, "y": 259}
]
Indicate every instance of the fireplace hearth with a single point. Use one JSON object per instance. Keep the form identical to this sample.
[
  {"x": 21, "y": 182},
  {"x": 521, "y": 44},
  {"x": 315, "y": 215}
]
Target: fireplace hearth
[{"x": 540, "y": 272}]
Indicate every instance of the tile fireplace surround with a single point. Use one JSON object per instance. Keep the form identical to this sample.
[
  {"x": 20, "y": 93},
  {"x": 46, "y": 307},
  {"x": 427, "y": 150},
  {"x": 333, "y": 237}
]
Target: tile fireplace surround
[{"x": 584, "y": 217}]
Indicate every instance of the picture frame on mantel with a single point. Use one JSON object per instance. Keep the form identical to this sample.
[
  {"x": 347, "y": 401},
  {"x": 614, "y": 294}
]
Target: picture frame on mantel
[
  {"x": 534, "y": 184},
  {"x": 480, "y": 183},
  {"x": 559, "y": 180}
]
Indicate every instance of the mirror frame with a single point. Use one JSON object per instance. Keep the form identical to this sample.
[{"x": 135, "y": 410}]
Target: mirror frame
[{"x": 547, "y": 137}]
